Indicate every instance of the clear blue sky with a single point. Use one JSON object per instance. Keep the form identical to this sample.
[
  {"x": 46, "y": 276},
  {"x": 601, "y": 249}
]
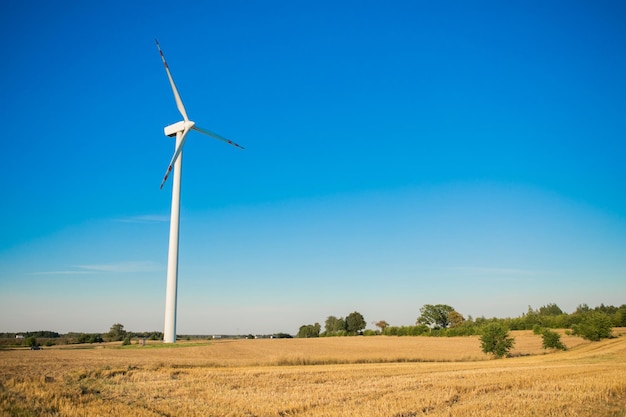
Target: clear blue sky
[{"x": 399, "y": 154}]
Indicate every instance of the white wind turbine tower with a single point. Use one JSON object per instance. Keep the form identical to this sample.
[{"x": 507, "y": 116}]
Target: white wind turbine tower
[{"x": 179, "y": 130}]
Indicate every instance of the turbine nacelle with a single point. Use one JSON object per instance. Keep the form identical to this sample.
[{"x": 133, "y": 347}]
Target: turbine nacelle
[{"x": 181, "y": 126}]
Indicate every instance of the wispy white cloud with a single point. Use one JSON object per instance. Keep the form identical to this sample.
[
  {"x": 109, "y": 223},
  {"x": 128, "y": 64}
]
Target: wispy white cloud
[
  {"x": 141, "y": 266},
  {"x": 65, "y": 272},
  {"x": 145, "y": 218},
  {"x": 119, "y": 267}
]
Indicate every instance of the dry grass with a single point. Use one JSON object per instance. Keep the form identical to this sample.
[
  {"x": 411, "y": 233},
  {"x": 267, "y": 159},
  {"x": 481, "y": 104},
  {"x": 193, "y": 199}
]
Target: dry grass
[{"x": 358, "y": 376}]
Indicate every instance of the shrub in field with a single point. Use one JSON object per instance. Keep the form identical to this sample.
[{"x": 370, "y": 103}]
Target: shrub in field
[
  {"x": 407, "y": 330},
  {"x": 593, "y": 326},
  {"x": 117, "y": 332},
  {"x": 309, "y": 330},
  {"x": 495, "y": 339},
  {"x": 552, "y": 340},
  {"x": 465, "y": 329},
  {"x": 31, "y": 341}
]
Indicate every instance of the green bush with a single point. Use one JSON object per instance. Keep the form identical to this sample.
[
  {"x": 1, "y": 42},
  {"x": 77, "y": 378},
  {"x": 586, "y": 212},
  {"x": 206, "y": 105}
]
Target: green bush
[
  {"x": 593, "y": 326},
  {"x": 309, "y": 330},
  {"x": 31, "y": 341},
  {"x": 495, "y": 339},
  {"x": 418, "y": 330},
  {"x": 552, "y": 340}
]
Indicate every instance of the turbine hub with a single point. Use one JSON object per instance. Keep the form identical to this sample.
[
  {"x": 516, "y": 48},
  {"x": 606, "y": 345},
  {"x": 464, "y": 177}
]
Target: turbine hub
[{"x": 173, "y": 129}]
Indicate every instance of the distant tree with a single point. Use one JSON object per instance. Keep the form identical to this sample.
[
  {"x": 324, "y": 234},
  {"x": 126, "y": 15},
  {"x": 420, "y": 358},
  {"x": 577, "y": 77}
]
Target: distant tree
[
  {"x": 309, "y": 330},
  {"x": 593, "y": 326},
  {"x": 455, "y": 318},
  {"x": 406, "y": 330},
  {"x": 435, "y": 315},
  {"x": 495, "y": 339},
  {"x": 155, "y": 335},
  {"x": 355, "y": 323},
  {"x": 30, "y": 341},
  {"x": 530, "y": 319},
  {"x": 44, "y": 334},
  {"x": 606, "y": 309},
  {"x": 117, "y": 332},
  {"x": 282, "y": 336},
  {"x": 550, "y": 310},
  {"x": 334, "y": 325},
  {"x": 126, "y": 340},
  {"x": 382, "y": 325},
  {"x": 582, "y": 308},
  {"x": 619, "y": 318},
  {"x": 552, "y": 340}
]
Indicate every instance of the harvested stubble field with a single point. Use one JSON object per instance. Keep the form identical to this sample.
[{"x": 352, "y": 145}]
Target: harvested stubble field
[{"x": 355, "y": 376}]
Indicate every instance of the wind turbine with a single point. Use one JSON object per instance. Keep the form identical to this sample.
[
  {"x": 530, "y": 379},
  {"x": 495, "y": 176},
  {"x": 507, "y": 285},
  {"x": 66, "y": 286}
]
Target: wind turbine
[{"x": 178, "y": 130}]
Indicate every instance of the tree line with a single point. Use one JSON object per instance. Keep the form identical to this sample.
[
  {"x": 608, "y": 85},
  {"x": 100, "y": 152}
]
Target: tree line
[
  {"x": 49, "y": 338},
  {"x": 352, "y": 325},
  {"x": 434, "y": 320},
  {"x": 443, "y": 320}
]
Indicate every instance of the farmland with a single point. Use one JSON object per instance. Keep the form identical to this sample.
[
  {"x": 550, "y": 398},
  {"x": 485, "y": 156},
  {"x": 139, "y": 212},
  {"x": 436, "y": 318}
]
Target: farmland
[{"x": 349, "y": 376}]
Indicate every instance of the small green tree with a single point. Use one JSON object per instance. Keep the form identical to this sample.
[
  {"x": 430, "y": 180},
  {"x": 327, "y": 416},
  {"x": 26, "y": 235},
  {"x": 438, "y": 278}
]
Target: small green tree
[
  {"x": 333, "y": 325},
  {"x": 593, "y": 326},
  {"x": 619, "y": 318},
  {"x": 355, "y": 323},
  {"x": 550, "y": 310},
  {"x": 117, "y": 332},
  {"x": 382, "y": 325},
  {"x": 82, "y": 338},
  {"x": 309, "y": 330},
  {"x": 455, "y": 318},
  {"x": 495, "y": 339},
  {"x": 31, "y": 341},
  {"x": 552, "y": 340},
  {"x": 435, "y": 315}
]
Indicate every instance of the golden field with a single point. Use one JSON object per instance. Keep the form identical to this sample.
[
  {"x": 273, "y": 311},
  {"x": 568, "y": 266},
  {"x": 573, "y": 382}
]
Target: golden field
[{"x": 347, "y": 376}]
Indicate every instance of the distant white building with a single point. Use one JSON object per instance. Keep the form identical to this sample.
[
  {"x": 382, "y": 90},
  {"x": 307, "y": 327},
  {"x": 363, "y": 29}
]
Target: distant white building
[{"x": 19, "y": 336}]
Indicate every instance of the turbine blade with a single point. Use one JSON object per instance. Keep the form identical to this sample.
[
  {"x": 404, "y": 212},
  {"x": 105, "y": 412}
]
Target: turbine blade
[
  {"x": 216, "y": 136},
  {"x": 174, "y": 157},
  {"x": 179, "y": 102}
]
